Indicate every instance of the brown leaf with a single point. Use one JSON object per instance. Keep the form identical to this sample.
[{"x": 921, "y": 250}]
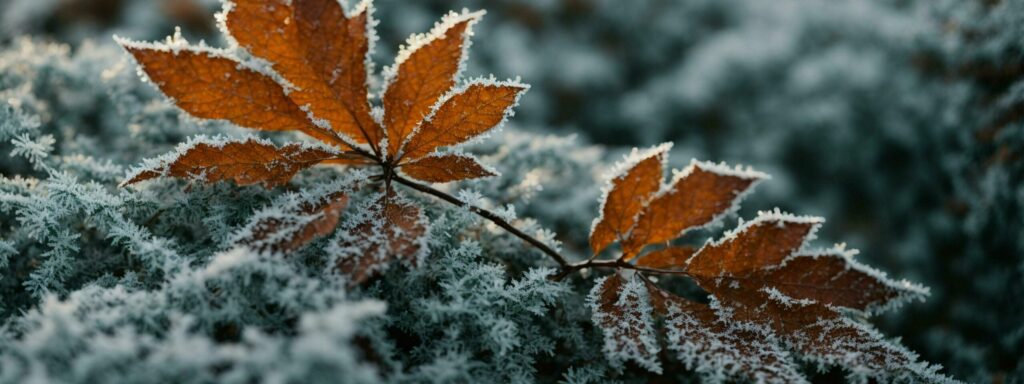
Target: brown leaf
[
  {"x": 289, "y": 232},
  {"x": 815, "y": 330},
  {"x": 760, "y": 244},
  {"x": 426, "y": 70},
  {"x": 671, "y": 258},
  {"x": 446, "y": 168},
  {"x": 836, "y": 279},
  {"x": 210, "y": 86},
  {"x": 620, "y": 309},
  {"x": 628, "y": 194},
  {"x": 392, "y": 230},
  {"x": 320, "y": 50},
  {"x": 711, "y": 347},
  {"x": 699, "y": 196},
  {"x": 464, "y": 115},
  {"x": 246, "y": 162}
]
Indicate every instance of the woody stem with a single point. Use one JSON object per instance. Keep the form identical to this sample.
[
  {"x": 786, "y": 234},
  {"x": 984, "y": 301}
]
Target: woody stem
[
  {"x": 486, "y": 214},
  {"x": 617, "y": 263}
]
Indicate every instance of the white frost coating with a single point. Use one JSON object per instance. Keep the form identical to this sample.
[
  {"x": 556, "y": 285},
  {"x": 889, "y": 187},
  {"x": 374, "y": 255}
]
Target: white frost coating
[
  {"x": 717, "y": 356},
  {"x": 906, "y": 291},
  {"x": 288, "y": 214},
  {"x": 775, "y": 216},
  {"x": 225, "y": 261},
  {"x": 621, "y": 168},
  {"x": 857, "y": 347},
  {"x": 371, "y": 41},
  {"x": 489, "y": 81},
  {"x": 631, "y": 336},
  {"x": 417, "y": 41},
  {"x": 348, "y": 245},
  {"x": 161, "y": 164},
  {"x": 221, "y": 19},
  {"x": 743, "y": 172}
]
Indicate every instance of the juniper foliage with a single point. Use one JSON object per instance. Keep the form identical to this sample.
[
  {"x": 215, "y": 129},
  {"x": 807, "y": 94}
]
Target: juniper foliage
[{"x": 909, "y": 110}]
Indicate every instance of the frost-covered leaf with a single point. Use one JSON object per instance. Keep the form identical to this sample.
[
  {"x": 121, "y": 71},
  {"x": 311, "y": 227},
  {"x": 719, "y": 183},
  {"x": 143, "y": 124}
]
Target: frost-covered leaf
[
  {"x": 425, "y": 69},
  {"x": 697, "y": 196},
  {"x": 627, "y": 194},
  {"x": 833, "y": 278},
  {"x": 250, "y": 161},
  {"x": 285, "y": 230},
  {"x": 443, "y": 168},
  {"x": 208, "y": 84},
  {"x": 464, "y": 114},
  {"x": 715, "y": 349},
  {"x": 820, "y": 334},
  {"x": 622, "y": 310},
  {"x": 319, "y": 50},
  {"x": 391, "y": 229},
  {"x": 769, "y": 296},
  {"x": 749, "y": 275}
]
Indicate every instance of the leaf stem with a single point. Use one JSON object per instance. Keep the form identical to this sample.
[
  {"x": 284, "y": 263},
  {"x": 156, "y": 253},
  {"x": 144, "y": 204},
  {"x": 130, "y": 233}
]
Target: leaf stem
[
  {"x": 486, "y": 214},
  {"x": 616, "y": 263},
  {"x": 566, "y": 267}
]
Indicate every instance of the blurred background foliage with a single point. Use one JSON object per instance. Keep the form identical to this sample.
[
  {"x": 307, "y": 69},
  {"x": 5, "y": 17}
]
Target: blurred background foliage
[{"x": 900, "y": 121}]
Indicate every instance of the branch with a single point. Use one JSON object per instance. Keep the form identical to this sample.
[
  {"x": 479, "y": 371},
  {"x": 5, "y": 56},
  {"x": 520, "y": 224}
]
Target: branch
[
  {"x": 490, "y": 216},
  {"x": 617, "y": 263}
]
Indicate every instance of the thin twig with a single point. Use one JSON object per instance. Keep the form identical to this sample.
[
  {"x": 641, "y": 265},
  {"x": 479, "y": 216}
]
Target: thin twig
[
  {"x": 617, "y": 263},
  {"x": 491, "y": 216}
]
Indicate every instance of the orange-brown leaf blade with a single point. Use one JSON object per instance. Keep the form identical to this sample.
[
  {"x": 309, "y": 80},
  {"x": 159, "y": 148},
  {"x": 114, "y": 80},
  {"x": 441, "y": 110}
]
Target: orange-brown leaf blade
[
  {"x": 834, "y": 278},
  {"x": 445, "y": 168},
  {"x": 210, "y": 86},
  {"x": 280, "y": 230},
  {"x": 425, "y": 70},
  {"x": 465, "y": 114},
  {"x": 318, "y": 49},
  {"x": 699, "y": 195},
  {"x": 622, "y": 310},
  {"x": 250, "y": 161},
  {"x": 626, "y": 196},
  {"x": 392, "y": 229},
  {"x": 761, "y": 244}
]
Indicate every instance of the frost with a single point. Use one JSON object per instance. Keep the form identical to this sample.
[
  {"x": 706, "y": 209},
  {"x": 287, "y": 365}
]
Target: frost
[
  {"x": 623, "y": 313},
  {"x": 720, "y": 353}
]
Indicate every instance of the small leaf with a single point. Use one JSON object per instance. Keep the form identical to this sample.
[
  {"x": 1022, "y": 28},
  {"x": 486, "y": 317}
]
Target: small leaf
[
  {"x": 245, "y": 162},
  {"x": 289, "y": 231},
  {"x": 423, "y": 72},
  {"x": 465, "y": 114},
  {"x": 621, "y": 309},
  {"x": 629, "y": 192},
  {"x": 716, "y": 351},
  {"x": 446, "y": 168},
  {"x": 393, "y": 230},
  {"x": 699, "y": 195}
]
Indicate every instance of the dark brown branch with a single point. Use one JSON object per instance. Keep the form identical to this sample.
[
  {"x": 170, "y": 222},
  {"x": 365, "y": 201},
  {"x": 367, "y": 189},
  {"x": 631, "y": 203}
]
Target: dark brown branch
[
  {"x": 490, "y": 216},
  {"x": 617, "y": 263}
]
